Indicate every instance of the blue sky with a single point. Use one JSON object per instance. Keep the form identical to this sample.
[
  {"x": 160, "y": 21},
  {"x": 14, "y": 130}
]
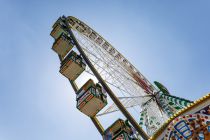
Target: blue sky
[{"x": 167, "y": 41}]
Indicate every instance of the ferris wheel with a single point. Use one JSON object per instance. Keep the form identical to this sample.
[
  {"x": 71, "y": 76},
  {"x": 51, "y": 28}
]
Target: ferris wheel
[{"x": 83, "y": 50}]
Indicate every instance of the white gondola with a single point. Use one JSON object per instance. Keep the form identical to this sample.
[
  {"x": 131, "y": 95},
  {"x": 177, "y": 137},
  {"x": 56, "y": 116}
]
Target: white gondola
[
  {"x": 72, "y": 66},
  {"x": 62, "y": 45},
  {"x": 91, "y": 99},
  {"x": 58, "y": 28},
  {"x": 119, "y": 130}
]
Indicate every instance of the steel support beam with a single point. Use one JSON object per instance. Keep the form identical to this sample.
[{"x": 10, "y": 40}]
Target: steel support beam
[
  {"x": 106, "y": 87},
  {"x": 98, "y": 125}
]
